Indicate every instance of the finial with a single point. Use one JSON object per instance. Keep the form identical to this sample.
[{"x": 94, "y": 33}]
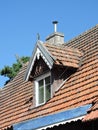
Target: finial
[{"x": 38, "y": 36}]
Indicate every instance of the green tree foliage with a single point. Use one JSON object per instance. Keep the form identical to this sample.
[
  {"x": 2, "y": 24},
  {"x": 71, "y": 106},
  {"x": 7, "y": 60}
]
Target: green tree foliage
[{"x": 12, "y": 71}]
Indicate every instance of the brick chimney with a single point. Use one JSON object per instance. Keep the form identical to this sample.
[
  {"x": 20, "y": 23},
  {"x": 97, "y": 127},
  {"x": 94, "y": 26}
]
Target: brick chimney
[{"x": 56, "y": 38}]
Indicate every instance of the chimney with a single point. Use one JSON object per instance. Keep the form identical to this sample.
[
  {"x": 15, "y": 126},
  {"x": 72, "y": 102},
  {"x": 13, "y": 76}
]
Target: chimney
[{"x": 55, "y": 38}]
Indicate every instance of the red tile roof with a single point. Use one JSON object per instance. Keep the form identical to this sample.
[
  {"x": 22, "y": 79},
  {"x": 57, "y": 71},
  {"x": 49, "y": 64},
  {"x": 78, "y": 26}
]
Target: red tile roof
[
  {"x": 65, "y": 56},
  {"x": 81, "y": 88},
  {"x": 93, "y": 112}
]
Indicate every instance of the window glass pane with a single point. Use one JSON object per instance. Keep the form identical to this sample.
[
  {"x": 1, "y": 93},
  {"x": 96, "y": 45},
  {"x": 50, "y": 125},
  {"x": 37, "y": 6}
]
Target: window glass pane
[
  {"x": 40, "y": 83},
  {"x": 41, "y": 92},
  {"x": 47, "y": 88},
  {"x": 47, "y": 80},
  {"x": 48, "y": 92},
  {"x": 44, "y": 90}
]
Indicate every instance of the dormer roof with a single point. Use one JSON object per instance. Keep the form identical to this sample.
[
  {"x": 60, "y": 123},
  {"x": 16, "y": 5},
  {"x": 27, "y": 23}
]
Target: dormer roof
[
  {"x": 65, "y": 56},
  {"x": 55, "y": 55}
]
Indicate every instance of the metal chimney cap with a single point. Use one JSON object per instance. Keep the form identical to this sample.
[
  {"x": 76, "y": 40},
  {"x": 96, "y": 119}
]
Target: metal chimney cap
[{"x": 55, "y": 22}]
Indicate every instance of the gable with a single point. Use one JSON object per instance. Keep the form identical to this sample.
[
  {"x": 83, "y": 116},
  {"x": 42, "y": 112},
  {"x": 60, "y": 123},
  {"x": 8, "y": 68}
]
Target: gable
[
  {"x": 39, "y": 50},
  {"x": 39, "y": 68}
]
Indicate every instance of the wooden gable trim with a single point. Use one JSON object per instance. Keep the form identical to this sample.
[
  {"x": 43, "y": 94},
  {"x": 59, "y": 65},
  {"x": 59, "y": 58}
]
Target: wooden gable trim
[{"x": 40, "y": 50}]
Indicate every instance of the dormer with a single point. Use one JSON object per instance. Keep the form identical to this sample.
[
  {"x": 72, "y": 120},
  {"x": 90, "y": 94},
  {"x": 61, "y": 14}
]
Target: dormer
[
  {"x": 50, "y": 65},
  {"x": 39, "y": 72},
  {"x": 40, "y": 57}
]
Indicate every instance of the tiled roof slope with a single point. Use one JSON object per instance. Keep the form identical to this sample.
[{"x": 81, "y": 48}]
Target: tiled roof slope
[
  {"x": 88, "y": 43},
  {"x": 13, "y": 99},
  {"x": 93, "y": 112},
  {"x": 81, "y": 88},
  {"x": 65, "y": 56}
]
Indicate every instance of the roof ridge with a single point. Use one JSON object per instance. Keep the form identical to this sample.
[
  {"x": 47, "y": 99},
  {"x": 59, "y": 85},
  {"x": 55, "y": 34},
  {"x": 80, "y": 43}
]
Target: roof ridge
[
  {"x": 82, "y": 34},
  {"x": 62, "y": 47}
]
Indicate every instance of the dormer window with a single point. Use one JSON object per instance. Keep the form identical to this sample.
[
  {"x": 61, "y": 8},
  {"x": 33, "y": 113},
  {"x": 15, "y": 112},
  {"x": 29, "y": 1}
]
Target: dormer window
[
  {"x": 49, "y": 66},
  {"x": 43, "y": 89}
]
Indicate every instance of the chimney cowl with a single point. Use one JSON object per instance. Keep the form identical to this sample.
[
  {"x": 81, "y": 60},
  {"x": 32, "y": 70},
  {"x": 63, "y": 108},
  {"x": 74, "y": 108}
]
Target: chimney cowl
[
  {"x": 55, "y": 38},
  {"x": 55, "y": 25}
]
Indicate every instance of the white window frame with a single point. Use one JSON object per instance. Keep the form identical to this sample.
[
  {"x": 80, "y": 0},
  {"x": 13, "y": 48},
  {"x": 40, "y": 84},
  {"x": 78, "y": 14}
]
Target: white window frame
[{"x": 42, "y": 77}]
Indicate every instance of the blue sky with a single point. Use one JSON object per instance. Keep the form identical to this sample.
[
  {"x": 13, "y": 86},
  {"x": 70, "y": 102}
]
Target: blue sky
[{"x": 21, "y": 20}]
